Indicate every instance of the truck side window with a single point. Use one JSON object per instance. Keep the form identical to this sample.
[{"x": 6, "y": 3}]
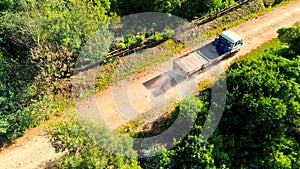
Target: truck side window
[{"x": 238, "y": 43}]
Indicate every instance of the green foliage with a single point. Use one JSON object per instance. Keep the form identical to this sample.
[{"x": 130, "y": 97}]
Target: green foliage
[
  {"x": 22, "y": 103},
  {"x": 53, "y": 62},
  {"x": 213, "y": 5},
  {"x": 162, "y": 160},
  {"x": 236, "y": 17},
  {"x": 32, "y": 37},
  {"x": 157, "y": 37},
  {"x": 190, "y": 108},
  {"x": 268, "y": 3},
  {"x": 196, "y": 9},
  {"x": 167, "y": 6},
  {"x": 262, "y": 105},
  {"x": 130, "y": 40},
  {"x": 82, "y": 141},
  {"x": 40, "y": 42},
  {"x": 96, "y": 47},
  {"x": 133, "y": 40},
  {"x": 8, "y": 5},
  {"x": 182, "y": 8},
  {"x": 125, "y": 7},
  {"x": 69, "y": 24},
  {"x": 291, "y": 36},
  {"x": 105, "y": 75},
  {"x": 195, "y": 153},
  {"x": 192, "y": 152}
]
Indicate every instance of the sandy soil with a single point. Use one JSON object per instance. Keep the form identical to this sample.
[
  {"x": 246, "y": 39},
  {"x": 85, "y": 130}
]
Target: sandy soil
[
  {"x": 145, "y": 92},
  {"x": 33, "y": 150}
]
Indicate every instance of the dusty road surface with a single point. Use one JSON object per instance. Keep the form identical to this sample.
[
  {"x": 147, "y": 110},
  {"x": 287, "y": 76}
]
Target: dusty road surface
[
  {"x": 144, "y": 92},
  {"x": 30, "y": 151}
]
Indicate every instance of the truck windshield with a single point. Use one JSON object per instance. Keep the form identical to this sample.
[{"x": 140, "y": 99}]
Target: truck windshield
[{"x": 223, "y": 40}]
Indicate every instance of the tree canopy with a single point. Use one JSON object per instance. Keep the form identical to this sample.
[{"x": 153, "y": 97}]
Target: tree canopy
[{"x": 291, "y": 36}]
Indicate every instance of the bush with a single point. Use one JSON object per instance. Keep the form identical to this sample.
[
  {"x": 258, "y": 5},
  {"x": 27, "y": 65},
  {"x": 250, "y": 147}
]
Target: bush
[
  {"x": 268, "y": 3},
  {"x": 157, "y": 37},
  {"x": 291, "y": 36},
  {"x": 81, "y": 142},
  {"x": 22, "y": 102}
]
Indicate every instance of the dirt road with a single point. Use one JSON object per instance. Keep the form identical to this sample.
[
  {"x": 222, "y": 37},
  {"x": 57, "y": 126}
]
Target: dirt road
[
  {"x": 30, "y": 151},
  {"x": 143, "y": 93}
]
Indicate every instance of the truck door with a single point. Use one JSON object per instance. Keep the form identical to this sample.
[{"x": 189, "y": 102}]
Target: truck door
[{"x": 236, "y": 46}]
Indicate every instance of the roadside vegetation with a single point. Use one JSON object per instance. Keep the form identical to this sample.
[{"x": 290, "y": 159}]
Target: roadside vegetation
[
  {"x": 251, "y": 10},
  {"x": 41, "y": 41}
]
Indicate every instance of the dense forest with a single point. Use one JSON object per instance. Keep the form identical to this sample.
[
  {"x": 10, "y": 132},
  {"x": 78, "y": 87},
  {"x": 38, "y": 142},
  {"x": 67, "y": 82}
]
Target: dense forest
[{"x": 40, "y": 41}]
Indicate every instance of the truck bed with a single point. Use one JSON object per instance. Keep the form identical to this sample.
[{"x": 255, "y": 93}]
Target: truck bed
[
  {"x": 208, "y": 52},
  {"x": 190, "y": 63},
  {"x": 195, "y": 61}
]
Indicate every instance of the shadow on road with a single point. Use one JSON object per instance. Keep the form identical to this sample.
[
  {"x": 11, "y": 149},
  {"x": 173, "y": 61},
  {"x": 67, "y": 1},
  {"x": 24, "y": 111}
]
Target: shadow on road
[{"x": 163, "y": 82}]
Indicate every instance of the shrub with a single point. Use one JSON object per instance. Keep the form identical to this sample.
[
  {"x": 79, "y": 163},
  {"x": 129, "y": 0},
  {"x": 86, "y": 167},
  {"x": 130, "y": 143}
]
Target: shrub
[
  {"x": 268, "y": 3},
  {"x": 81, "y": 142},
  {"x": 22, "y": 102}
]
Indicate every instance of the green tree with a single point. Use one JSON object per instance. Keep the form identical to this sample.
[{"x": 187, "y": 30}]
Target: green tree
[
  {"x": 40, "y": 41},
  {"x": 9, "y": 5},
  {"x": 291, "y": 36},
  {"x": 213, "y": 5},
  {"x": 261, "y": 109},
  {"x": 21, "y": 99},
  {"x": 82, "y": 141},
  {"x": 167, "y": 6},
  {"x": 65, "y": 23}
]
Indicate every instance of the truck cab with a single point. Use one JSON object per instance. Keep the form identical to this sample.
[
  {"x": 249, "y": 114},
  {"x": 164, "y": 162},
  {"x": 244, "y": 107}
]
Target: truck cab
[{"x": 228, "y": 41}]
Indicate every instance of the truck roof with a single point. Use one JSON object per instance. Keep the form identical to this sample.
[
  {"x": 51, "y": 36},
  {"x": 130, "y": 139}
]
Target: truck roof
[{"x": 231, "y": 36}]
